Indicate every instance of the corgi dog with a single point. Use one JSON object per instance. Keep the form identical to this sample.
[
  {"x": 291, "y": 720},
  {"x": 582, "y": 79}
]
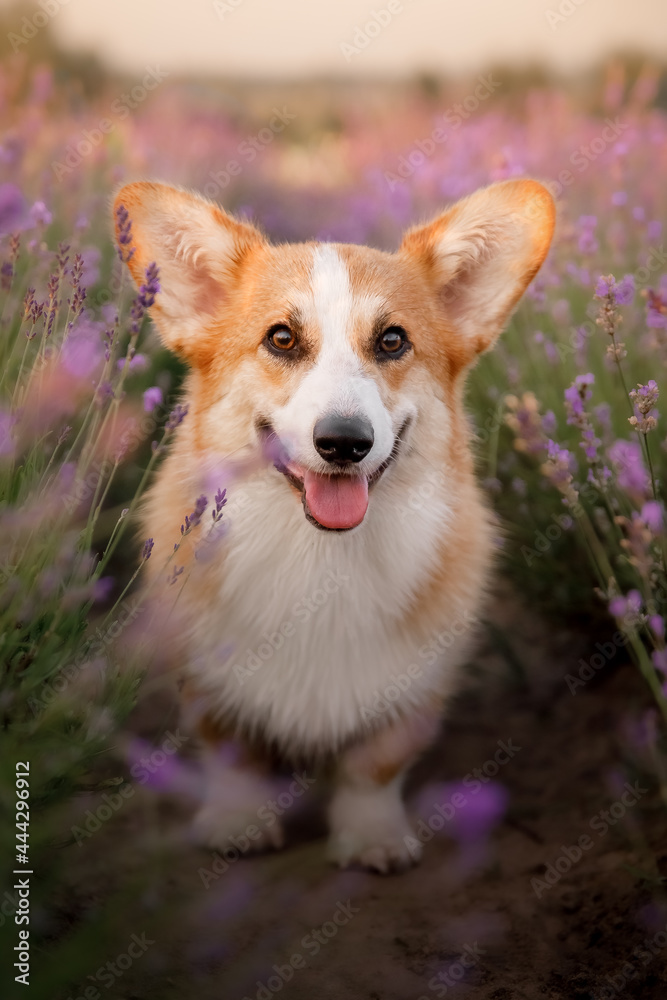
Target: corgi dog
[{"x": 330, "y": 619}]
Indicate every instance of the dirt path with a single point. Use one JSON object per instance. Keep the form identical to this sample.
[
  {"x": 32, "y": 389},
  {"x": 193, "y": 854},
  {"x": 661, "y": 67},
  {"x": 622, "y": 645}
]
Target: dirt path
[{"x": 467, "y": 913}]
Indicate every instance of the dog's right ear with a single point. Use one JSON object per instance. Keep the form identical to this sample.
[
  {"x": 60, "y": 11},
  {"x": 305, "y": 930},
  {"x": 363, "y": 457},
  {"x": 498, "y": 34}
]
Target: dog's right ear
[{"x": 197, "y": 247}]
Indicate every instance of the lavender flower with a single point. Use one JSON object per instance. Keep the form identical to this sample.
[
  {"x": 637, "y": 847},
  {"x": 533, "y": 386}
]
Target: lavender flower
[
  {"x": 152, "y": 398},
  {"x": 659, "y": 657},
  {"x": 220, "y": 501},
  {"x": 53, "y": 303},
  {"x": 630, "y": 472},
  {"x": 149, "y": 290},
  {"x": 135, "y": 362},
  {"x": 176, "y": 417},
  {"x": 558, "y": 470},
  {"x": 79, "y": 296},
  {"x": 193, "y": 519},
  {"x": 102, "y": 588},
  {"x": 576, "y": 397},
  {"x": 653, "y": 516},
  {"x": 124, "y": 229},
  {"x": 147, "y": 549},
  {"x": 621, "y": 606},
  {"x": 625, "y": 290},
  {"x": 611, "y": 295},
  {"x": 605, "y": 287},
  {"x": 644, "y": 398},
  {"x": 12, "y": 208},
  {"x": 145, "y": 297},
  {"x": 657, "y": 625},
  {"x": 39, "y": 215},
  {"x": 549, "y": 423},
  {"x": 82, "y": 351},
  {"x": 656, "y": 310}
]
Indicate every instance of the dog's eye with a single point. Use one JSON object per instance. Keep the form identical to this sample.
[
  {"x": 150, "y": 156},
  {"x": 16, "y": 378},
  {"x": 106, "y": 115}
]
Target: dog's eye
[
  {"x": 281, "y": 338},
  {"x": 393, "y": 342}
]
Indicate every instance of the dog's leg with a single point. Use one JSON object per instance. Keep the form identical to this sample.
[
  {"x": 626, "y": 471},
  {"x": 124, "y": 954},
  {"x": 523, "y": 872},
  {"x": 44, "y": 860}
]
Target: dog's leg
[
  {"x": 236, "y": 787},
  {"x": 367, "y": 818}
]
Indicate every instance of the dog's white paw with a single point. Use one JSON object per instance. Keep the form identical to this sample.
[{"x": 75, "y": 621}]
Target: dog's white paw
[
  {"x": 393, "y": 851},
  {"x": 369, "y": 827},
  {"x": 217, "y": 827}
]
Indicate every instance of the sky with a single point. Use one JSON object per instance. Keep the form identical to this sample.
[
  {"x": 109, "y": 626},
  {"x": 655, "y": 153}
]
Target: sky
[{"x": 296, "y": 38}]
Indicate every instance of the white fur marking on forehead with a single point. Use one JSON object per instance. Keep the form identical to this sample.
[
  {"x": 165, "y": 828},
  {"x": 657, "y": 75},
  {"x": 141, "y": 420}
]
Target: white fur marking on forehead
[
  {"x": 332, "y": 295},
  {"x": 335, "y": 305}
]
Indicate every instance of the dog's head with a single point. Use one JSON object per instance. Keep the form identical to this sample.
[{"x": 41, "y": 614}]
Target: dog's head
[{"x": 330, "y": 353}]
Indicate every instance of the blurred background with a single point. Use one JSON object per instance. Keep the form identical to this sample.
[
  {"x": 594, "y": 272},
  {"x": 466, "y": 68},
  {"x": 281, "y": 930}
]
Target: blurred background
[{"x": 344, "y": 122}]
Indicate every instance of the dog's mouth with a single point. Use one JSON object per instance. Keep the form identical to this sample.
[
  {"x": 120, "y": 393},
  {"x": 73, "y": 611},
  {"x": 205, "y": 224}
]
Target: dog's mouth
[{"x": 331, "y": 501}]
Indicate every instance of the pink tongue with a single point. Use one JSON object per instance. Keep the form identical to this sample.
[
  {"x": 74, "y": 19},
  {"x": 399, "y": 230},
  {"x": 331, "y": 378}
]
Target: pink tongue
[{"x": 336, "y": 501}]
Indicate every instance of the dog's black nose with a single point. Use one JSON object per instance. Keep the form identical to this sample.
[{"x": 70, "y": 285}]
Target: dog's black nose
[{"x": 343, "y": 439}]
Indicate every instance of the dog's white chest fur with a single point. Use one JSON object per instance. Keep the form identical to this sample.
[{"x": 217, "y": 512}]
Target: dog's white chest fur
[{"x": 308, "y": 626}]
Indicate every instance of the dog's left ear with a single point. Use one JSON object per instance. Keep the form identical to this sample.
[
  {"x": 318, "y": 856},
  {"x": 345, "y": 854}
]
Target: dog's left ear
[{"x": 482, "y": 253}]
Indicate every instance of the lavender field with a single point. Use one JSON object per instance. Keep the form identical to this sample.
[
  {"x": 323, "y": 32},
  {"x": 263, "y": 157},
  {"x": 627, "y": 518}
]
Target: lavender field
[{"x": 553, "y": 875}]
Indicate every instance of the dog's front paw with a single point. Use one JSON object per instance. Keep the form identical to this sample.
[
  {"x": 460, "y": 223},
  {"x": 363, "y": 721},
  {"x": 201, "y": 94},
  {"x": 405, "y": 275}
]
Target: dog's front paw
[
  {"x": 237, "y": 831},
  {"x": 386, "y": 850}
]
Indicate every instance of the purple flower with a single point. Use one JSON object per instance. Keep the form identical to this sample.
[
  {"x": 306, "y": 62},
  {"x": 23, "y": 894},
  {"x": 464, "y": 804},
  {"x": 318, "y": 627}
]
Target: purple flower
[
  {"x": 656, "y": 311},
  {"x": 605, "y": 285},
  {"x": 617, "y": 607},
  {"x": 83, "y": 350},
  {"x": 602, "y": 413},
  {"x": 149, "y": 290},
  {"x": 630, "y": 472},
  {"x": 193, "y": 519},
  {"x": 654, "y": 231},
  {"x": 659, "y": 657},
  {"x": 220, "y": 501},
  {"x": 152, "y": 398},
  {"x": 145, "y": 297},
  {"x": 625, "y": 290},
  {"x": 652, "y": 516},
  {"x": 12, "y": 208},
  {"x": 657, "y": 625},
  {"x": 576, "y": 395},
  {"x": 621, "y": 606},
  {"x": 549, "y": 422},
  {"x": 138, "y": 362},
  {"x": 645, "y": 398},
  {"x": 124, "y": 228},
  {"x": 39, "y": 215},
  {"x": 147, "y": 549},
  {"x": 110, "y": 313},
  {"x": 559, "y": 467},
  {"x": 482, "y": 811},
  {"x": 176, "y": 417},
  {"x": 102, "y": 588}
]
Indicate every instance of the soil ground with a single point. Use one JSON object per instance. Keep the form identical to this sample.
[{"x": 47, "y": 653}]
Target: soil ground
[{"x": 573, "y": 942}]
